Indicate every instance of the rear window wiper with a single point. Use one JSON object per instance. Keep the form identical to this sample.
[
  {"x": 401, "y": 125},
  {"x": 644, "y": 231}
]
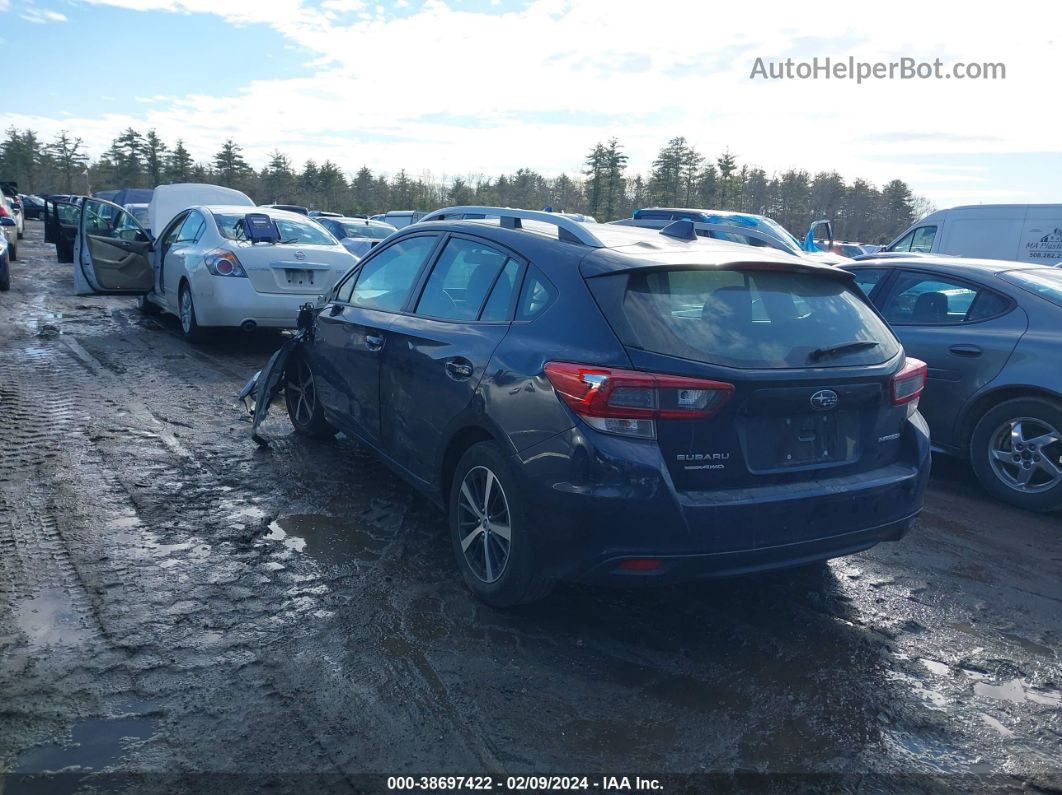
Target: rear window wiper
[{"x": 841, "y": 347}]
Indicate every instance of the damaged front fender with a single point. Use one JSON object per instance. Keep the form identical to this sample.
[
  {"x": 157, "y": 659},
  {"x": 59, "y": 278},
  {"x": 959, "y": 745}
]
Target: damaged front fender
[{"x": 264, "y": 386}]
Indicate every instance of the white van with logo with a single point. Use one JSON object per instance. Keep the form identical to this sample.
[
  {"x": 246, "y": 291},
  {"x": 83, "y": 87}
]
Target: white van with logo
[{"x": 1022, "y": 232}]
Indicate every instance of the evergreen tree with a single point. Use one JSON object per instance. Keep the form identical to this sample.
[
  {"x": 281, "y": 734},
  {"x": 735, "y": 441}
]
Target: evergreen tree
[
  {"x": 154, "y": 158},
  {"x": 363, "y": 192},
  {"x": 69, "y": 158},
  {"x": 597, "y": 175},
  {"x": 179, "y": 164},
  {"x": 229, "y": 165},
  {"x": 666, "y": 178},
  {"x": 615, "y": 164},
  {"x": 728, "y": 192}
]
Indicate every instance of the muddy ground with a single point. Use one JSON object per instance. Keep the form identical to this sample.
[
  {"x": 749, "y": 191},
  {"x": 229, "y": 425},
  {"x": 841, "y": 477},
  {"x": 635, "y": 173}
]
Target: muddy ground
[{"x": 175, "y": 602}]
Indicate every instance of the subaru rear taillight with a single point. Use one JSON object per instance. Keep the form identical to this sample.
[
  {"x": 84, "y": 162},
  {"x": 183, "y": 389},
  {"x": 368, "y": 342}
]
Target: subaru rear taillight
[
  {"x": 4, "y": 212},
  {"x": 908, "y": 384},
  {"x": 221, "y": 262},
  {"x": 628, "y": 402}
]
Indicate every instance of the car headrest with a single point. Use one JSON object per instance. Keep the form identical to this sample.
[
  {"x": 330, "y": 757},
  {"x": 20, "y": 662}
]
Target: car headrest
[
  {"x": 931, "y": 308},
  {"x": 728, "y": 304}
]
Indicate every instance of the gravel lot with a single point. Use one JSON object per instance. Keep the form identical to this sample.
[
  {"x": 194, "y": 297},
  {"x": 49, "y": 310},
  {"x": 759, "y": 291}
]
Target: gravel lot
[{"x": 175, "y": 602}]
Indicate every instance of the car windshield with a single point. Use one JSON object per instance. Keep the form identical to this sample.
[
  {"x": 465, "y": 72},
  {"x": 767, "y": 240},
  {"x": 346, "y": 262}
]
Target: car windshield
[
  {"x": 1045, "y": 282},
  {"x": 366, "y": 230},
  {"x": 753, "y": 318},
  {"x": 292, "y": 230}
]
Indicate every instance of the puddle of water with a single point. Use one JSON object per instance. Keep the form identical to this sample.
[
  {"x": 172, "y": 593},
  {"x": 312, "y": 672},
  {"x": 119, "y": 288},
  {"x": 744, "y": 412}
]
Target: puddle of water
[
  {"x": 1017, "y": 692},
  {"x": 329, "y": 540},
  {"x": 49, "y": 618},
  {"x": 94, "y": 745},
  {"x": 1028, "y": 645},
  {"x": 938, "y": 668},
  {"x": 995, "y": 724}
]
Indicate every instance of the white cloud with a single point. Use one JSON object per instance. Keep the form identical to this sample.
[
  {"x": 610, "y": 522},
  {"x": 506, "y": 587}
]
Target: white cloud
[
  {"x": 39, "y": 16},
  {"x": 608, "y": 67}
]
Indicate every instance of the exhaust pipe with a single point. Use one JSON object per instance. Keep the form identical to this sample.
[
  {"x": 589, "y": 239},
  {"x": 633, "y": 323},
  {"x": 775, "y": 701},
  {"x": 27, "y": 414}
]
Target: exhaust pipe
[{"x": 248, "y": 325}]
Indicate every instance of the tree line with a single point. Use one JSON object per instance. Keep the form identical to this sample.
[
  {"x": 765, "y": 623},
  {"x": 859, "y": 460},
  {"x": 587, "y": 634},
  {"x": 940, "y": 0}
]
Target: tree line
[{"x": 679, "y": 176}]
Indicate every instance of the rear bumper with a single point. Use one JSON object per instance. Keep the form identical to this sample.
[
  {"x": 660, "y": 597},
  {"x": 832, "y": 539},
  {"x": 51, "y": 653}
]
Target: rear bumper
[
  {"x": 221, "y": 301},
  {"x": 599, "y": 501},
  {"x": 675, "y": 568}
]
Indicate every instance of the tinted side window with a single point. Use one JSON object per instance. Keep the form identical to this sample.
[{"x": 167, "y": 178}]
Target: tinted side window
[
  {"x": 538, "y": 292},
  {"x": 460, "y": 280},
  {"x": 170, "y": 235},
  {"x": 868, "y": 278},
  {"x": 904, "y": 243},
  {"x": 923, "y": 238},
  {"x": 928, "y": 299},
  {"x": 501, "y": 297},
  {"x": 987, "y": 304},
  {"x": 386, "y": 280},
  {"x": 191, "y": 229}
]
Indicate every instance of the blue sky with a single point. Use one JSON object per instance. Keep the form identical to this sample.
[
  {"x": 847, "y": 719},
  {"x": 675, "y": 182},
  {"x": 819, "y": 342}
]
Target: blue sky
[{"x": 467, "y": 87}]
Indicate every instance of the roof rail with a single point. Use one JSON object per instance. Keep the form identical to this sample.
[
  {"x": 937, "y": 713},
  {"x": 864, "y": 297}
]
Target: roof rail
[{"x": 567, "y": 229}]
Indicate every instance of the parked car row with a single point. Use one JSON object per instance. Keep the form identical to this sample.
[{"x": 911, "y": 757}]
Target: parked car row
[{"x": 673, "y": 404}]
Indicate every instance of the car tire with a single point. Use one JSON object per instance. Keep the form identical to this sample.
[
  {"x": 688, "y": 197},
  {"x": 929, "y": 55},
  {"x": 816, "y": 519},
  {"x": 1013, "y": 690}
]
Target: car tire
[
  {"x": 12, "y": 251},
  {"x": 64, "y": 251},
  {"x": 5, "y": 280},
  {"x": 1016, "y": 453},
  {"x": 483, "y": 499},
  {"x": 300, "y": 397},
  {"x": 147, "y": 307},
  {"x": 190, "y": 328}
]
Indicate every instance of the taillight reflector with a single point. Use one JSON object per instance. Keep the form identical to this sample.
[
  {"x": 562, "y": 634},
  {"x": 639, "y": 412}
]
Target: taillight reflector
[
  {"x": 908, "y": 384},
  {"x": 627, "y": 402}
]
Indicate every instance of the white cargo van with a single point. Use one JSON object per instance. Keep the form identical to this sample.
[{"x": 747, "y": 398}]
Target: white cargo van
[{"x": 1023, "y": 232}]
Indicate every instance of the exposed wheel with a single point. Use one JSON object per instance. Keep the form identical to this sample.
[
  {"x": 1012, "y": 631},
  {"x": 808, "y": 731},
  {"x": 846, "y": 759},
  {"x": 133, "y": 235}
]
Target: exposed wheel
[
  {"x": 146, "y": 307},
  {"x": 190, "y": 328},
  {"x": 64, "y": 251},
  {"x": 490, "y": 531},
  {"x": 5, "y": 280},
  {"x": 300, "y": 396},
  {"x": 1016, "y": 452},
  {"x": 12, "y": 251}
]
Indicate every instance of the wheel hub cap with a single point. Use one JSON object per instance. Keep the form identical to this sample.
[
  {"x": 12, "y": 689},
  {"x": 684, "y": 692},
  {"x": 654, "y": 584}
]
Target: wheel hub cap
[{"x": 1026, "y": 455}]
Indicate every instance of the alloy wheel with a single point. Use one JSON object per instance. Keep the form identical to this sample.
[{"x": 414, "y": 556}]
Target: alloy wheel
[
  {"x": 303, "y": 393},
  {"x": 1026, "y": 455},
  {"x": 186, "y": 311},
  {"x": 483, "y": 521}
]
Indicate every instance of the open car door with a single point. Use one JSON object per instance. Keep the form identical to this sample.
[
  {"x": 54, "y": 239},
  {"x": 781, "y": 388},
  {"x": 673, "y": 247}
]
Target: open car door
[
  {"x": 60, "y": 226},
  {"x": 113, "y": 252}
]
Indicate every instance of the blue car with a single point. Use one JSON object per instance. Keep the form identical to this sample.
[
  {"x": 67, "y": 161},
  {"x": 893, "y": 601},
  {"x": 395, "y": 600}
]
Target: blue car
[{"x": 616, "y": 405}]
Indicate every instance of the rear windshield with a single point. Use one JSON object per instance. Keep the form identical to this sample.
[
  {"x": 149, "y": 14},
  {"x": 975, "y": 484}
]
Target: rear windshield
[
  {"x": 292, "y": 231},
  {"x": 364, "y": 230},
  {"x": 1045, "y": 282},
  {"x": 754, "y": 319}
]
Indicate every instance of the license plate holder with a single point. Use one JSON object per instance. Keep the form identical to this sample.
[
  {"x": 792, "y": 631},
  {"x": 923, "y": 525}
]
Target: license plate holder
[
  {"x": 299, "y": 278},
  {"x": 801, "y": 440}
]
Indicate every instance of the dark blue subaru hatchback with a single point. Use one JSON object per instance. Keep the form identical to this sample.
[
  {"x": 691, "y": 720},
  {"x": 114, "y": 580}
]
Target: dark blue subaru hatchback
[{"x": 605, "y": 403}]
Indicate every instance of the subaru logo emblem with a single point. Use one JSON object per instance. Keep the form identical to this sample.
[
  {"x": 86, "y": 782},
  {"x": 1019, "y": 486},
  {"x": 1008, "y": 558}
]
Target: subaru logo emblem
[
  {"x": 300, "y": 255},
  {"x": 824, "y": 400}
]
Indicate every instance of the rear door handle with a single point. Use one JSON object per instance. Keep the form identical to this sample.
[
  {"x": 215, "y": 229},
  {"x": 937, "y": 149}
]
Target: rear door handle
[
  {"x": 966, "y": 350},
  {"x": 374, "y": 342},
  {"x": 459, "y": 369}
]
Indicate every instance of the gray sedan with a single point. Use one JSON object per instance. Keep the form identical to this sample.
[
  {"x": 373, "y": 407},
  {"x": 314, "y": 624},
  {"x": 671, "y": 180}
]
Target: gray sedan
[{"x": 991, "y": 333}]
